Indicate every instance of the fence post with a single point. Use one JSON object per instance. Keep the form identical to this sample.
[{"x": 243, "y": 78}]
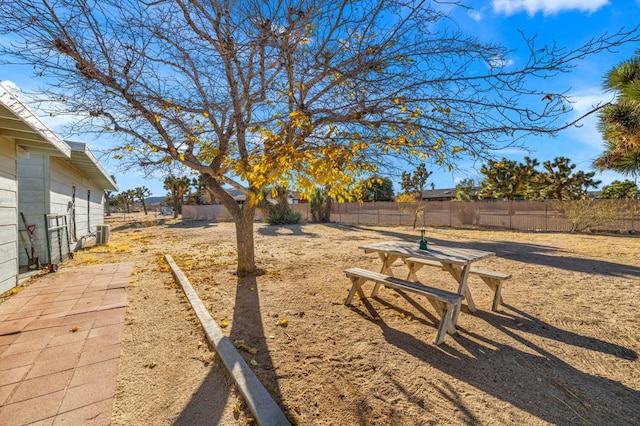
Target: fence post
[
  {"x": 424, "y": 216},
  {"x": 510, "y": 213},
  {"x": 546, "y": 217}
]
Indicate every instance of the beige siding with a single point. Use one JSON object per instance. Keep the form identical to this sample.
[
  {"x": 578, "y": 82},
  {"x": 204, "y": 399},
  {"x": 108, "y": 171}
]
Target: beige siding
[
  {"x": 89, "y": 210},
  {"x": 8, "y": 215},
  {"x": 32, "y": 184}
]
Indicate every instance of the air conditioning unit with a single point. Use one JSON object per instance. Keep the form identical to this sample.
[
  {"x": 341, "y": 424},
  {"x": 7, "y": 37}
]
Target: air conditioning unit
[{"x": 103, "y": 234}]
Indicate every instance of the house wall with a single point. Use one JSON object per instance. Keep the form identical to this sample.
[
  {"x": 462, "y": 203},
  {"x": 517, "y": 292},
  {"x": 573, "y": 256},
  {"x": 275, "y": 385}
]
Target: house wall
[
  {"x": 88, "y": 200},
  {"x": 46, "y": 186},
  {"x": 32, "y": 202},
  {"x": 8, "y": 215}
]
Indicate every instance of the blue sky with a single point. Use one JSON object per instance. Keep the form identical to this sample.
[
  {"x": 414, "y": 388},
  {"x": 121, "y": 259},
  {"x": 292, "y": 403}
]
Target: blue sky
[{"x": 566, "y": 22}]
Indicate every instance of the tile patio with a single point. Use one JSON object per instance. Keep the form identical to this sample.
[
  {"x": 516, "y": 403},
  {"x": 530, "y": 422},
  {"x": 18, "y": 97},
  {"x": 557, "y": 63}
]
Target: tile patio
[{"x": 60, "y": 342}]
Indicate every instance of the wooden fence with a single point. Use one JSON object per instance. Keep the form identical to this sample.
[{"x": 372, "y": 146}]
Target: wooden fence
[
  {"x": 220, "y": 213},
  {"x": 515, "y": 215}
]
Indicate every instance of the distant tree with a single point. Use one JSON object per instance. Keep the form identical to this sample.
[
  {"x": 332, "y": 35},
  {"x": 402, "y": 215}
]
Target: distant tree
[
  {"x": 559, "y": 182},
  {"x": 254, "y": 93},
  {"x": 141, "y": 193},
  {"x": 107, "y": 198},
  {"x": 126, "y": 199},
  {"x": 201, "y": 195},
  {"x": 508, "y": 179},
  {"x": 378, "y": 188},
  {"x": 414, "y": 183},
  {"x": 178, "y": 187},
  {"x": 620, "y": 190},
  {"x": 464, "y": 190}
]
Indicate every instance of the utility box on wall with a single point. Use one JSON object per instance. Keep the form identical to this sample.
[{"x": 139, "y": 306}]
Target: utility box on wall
[{"x": 103, "y": 234}]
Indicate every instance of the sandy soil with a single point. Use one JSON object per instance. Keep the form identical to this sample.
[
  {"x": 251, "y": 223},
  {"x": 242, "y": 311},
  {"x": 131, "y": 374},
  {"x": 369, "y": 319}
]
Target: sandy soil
[{"x": 563, "y": 350}]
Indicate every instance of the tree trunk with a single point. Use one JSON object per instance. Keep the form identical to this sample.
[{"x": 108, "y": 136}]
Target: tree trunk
[
  {"x": 176, "y": 206},
  {"x": 245, "y": 242},
  {"x": 327, "y": 210},
  {"x": 107, "y": 204},
  {"x": 243, "y": 217},
  {"x": 144, "y": 205}
]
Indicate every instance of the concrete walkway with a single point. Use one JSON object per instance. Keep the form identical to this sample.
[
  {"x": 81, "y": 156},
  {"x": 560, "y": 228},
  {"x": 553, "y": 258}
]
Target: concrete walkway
[{"x": 60, "y": 344}]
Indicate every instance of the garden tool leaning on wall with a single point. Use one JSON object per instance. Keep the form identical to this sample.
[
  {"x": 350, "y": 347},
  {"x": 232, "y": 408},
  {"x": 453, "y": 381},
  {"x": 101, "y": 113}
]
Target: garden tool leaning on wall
[{"x": 32, "y": 254}]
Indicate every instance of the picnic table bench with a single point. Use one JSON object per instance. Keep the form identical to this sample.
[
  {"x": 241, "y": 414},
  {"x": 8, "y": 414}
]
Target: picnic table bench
[
  {"x": 455, "y": 260},
  {"x": 446, "y": 303},
  {"x": 493, "y": 279}
]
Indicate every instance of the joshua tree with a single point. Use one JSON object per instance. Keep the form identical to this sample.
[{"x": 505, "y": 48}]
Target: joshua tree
[
  {"x": 142, "y": 192},
  {"x": 253, "y": 93}
]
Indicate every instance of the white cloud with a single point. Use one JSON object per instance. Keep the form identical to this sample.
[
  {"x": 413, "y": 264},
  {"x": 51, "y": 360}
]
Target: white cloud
[
  {"x": 500, "y": 62},
  {"x": 582, "y": 102},
  {"x": 475, "y": 15},
  {"x": 547, "y": 7}
]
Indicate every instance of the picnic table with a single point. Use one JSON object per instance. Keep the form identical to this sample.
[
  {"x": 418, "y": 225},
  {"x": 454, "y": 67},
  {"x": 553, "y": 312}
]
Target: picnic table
[{"x": 456, "y": 261}]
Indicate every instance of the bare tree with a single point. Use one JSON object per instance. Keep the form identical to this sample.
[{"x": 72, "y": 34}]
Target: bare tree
[{"x": 295, "y": 92}]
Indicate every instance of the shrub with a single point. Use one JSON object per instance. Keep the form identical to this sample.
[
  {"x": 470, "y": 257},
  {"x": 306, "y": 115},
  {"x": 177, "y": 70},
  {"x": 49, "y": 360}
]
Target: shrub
[
  {"x": 280, "y": 216},
  {"x": 588, "y": 213}
]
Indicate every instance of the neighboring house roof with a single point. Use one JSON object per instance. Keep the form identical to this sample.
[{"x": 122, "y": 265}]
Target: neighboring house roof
[
  {"x": 236, "y": 194},
  {"x": 445, "y": 193},
  {"x": 30, "y": 133},
  {"x": 83, "y": 159}
]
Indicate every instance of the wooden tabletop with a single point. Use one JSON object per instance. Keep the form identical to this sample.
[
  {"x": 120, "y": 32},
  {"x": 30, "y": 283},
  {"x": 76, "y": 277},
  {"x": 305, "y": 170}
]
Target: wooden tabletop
[{"x": 458, "y": 256}]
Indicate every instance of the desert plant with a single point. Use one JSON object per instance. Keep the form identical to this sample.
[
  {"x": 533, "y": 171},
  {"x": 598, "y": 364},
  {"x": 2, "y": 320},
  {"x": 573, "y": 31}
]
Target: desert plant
[
  {"x": 279, "y": 213},
  {"x": 317, "y": 205},
  {"x": 279, "y": 216},
  {"x": 587, "y": 213}
]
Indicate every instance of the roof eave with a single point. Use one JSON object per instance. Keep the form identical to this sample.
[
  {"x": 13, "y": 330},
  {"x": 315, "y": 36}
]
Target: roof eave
[
  {"x": 28, "y": 130},
  {"x": 83, "y": 159}
]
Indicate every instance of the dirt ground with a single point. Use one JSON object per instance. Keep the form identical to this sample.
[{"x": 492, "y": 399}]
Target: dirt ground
[{"x": 562, "y": 350}]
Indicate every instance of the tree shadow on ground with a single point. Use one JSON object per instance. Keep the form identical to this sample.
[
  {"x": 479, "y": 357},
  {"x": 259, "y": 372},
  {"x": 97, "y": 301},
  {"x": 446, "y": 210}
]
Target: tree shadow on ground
[
  {"x": 190, "y": 224},
  {"x": 296, "y": 230},
  {"x": 525, "y": 252},
  {"x": 208, "y": 402},
  {"x": 248, "y": 331},
  {"x": 556, "y": 392},
  {"x": 136, "y": 224}
]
